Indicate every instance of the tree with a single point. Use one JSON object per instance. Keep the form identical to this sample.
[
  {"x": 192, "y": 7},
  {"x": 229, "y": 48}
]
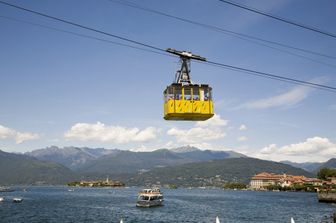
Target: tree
[
  {"x": 324, "y": 173},
  {"x": 235, "y": 185}
]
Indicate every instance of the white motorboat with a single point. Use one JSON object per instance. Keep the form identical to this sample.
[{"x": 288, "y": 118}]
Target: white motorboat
[
  {"x": 17, "y": 200},
  {"x": 1, "y": 199},
  {"x": 150, "y": 198}
]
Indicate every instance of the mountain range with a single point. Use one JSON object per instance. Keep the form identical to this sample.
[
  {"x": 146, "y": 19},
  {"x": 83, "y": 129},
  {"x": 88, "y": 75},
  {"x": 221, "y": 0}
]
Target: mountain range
[
  {"x": 313, "y": 167},
  {"x": 220, "y": 171},
  {"x": 124, "y": 161},
  {"x": 309, "y": 166},
  {"x": 22, "y": 169},
  {"x": 54, "y": 165},
  {"x": 71, "y": 157}
]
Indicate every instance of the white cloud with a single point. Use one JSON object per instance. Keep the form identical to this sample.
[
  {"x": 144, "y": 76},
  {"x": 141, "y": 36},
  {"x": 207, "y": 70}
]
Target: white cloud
[
  {"x": 269, "y": 149},
  {"x": 113, "y": 134},
  {"x": 143, "y": 148},
  {"x": 215, "y": 121},
  {"x": 292, "y": 97},
  {"x": 202, "y": 132},
  {"x": 6, "y": 132},
  {"x": 242, "y": 127},
  {"x": 315, "y": 145},
  {"x": 195, "y": 135},
  {"x": 312, "y": 149},
  {"x": 19, "y": 137},
  {"x": 242, "y": 138}
]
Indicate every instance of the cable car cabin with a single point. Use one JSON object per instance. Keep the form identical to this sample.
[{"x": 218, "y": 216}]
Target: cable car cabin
[{"x": 191, "y": 102}]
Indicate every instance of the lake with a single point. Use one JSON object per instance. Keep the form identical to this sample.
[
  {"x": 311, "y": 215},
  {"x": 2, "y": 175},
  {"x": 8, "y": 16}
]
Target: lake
[{"x": 57, "y": 204}]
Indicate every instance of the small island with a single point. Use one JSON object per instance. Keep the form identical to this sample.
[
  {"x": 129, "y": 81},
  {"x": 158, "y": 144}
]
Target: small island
[{"x": 97, "y": 183}]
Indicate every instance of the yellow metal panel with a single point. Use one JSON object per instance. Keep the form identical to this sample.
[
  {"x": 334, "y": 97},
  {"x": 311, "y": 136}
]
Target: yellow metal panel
[
  {"x": 204, "y": 107},
  {"x": 169, "y": 107},
  {"x": 188, "y": 110},
  {"x": 179, "y": 108},
  {"x": 187, "y": 106},
  {"x": 197, "y": 106}
]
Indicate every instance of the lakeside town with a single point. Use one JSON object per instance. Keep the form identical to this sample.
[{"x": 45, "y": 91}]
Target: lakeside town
[
  {"x": 271, "y": 181},
  {"x": 260, "y": 181}
]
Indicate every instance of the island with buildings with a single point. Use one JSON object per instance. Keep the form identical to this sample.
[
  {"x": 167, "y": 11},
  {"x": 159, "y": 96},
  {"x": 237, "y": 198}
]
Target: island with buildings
[{"x": 97, "y": 183}]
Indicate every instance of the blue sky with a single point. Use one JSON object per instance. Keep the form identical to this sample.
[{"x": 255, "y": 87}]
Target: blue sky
[{"x": 60, "y": 89}]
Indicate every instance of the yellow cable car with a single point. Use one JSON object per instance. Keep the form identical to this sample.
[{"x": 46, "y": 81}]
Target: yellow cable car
[{"x": 184, "y": 100}]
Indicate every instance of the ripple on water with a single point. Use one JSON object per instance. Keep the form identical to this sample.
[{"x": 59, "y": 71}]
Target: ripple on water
[{"x": 57, "y": 204}]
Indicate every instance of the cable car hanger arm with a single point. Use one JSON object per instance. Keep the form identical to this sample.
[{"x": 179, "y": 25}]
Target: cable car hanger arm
[{"x": 185, "y": 54}]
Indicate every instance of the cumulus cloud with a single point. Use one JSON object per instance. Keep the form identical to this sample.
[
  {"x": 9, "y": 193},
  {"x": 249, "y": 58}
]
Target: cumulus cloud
[
  {"x": 215, "y": 121},
  {"x": 6, "y": 132},
  {"x": 269, "y": 149},
  {"x": 242, "y": 127},
  {"x": 311, "y": 146},
  {"x": 292, "y": 97},
  {"x": 202, "y": 131},
  {"x": 113, "y": 134},
  {"x": 19, "y": 137},
  {"x": 312, "y": 149},
  {"x": 25, "y": 136}
]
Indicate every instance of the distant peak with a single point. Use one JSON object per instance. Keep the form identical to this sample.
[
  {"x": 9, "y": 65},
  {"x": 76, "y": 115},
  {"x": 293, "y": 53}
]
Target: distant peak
[{"x": 184, "y": 149}]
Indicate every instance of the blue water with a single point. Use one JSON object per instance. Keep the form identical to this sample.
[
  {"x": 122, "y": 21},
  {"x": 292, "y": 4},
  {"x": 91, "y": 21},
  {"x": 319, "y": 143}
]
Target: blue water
[{"x": 57, "y": 204}]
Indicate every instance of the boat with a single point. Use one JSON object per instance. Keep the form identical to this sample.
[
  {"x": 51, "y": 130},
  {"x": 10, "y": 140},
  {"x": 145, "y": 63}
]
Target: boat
[
  {"x": 150, "y": 198},
  {"x": 217, "y": 220},
  {"x": 292, "y": 220},
  {"x": 17, "y": 200},
  {"x": 6, "y": 189},
  {"x": 1, "y": 199}
]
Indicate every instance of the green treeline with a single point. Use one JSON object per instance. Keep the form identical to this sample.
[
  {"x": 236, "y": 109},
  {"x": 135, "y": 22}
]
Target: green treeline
[{"x": 325, "y": 173}]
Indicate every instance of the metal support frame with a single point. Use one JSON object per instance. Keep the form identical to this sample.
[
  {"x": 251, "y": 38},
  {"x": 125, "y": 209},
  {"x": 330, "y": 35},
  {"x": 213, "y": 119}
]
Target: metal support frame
[{"x": 183, "y": 75}]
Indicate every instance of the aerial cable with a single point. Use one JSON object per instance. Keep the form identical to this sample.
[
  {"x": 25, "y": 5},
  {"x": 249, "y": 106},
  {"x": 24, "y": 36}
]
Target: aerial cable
[
  {"x": 273, "y": 76},
  {"x": 291, "y": 22},
  {"x": 84, "y": 35},
  {"x": 82, "y": 26},
  {"x": 223, "y": 31},
  {"x": 226, "y": 66},
  {"x": 96, "y": 38}
]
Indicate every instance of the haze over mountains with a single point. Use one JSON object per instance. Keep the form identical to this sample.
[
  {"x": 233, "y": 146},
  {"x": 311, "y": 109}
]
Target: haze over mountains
[
  {"x": 124, "y": 161},
  {"x": 309, "y": 166},
  {"x": 54, "y": 165}
]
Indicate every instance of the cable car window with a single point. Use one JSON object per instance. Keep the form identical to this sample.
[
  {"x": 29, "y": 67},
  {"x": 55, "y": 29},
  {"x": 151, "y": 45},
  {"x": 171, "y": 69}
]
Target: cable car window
[
  {"x": 177, "y": 93},
  {"x": 165, "y": 95},
  {"x": 187, "y": 93},
  {"x": 201, "y": 94},
  {"x": 169, "y": 93},
  {"x": 196, "y": 93},
  {"x": 206, "y": 94}
]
